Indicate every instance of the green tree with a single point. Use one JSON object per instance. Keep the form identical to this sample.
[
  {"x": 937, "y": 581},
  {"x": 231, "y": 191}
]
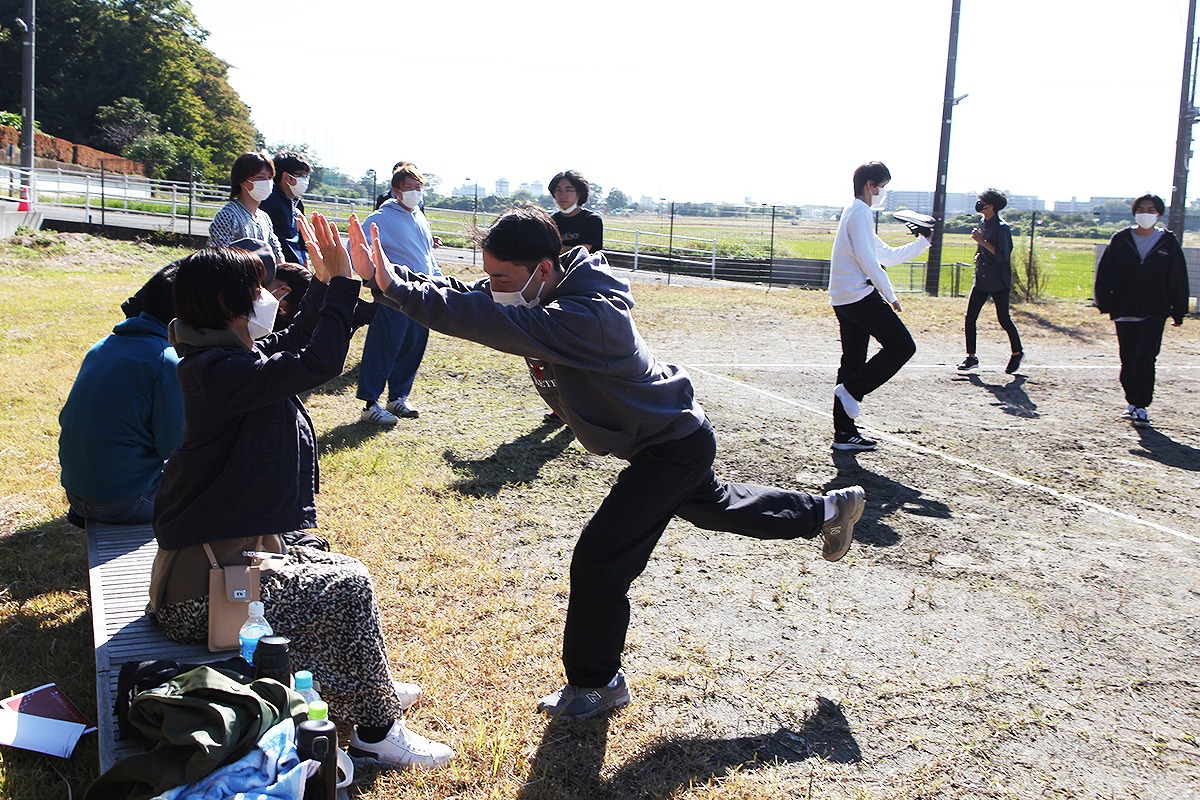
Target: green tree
[
  {"x": 617, "y": 200},
  {"x": 124, "y": 122}
]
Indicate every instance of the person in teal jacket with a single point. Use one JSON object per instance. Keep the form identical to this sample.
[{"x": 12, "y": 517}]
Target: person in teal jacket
[{"x": 124, "y": 415}]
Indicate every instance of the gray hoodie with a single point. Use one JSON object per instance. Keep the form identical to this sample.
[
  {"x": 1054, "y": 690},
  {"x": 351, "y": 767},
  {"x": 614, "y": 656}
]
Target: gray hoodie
[{"x": 584, "y": 352}]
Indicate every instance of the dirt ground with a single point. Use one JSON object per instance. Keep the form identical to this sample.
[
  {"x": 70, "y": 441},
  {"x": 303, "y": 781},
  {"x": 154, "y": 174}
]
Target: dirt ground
[{"x": 1020, "y": 614}]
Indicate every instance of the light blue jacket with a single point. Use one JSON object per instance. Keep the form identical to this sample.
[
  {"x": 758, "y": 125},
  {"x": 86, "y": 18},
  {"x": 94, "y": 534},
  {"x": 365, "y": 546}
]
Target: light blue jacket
[{"x": 406, "y": 237}]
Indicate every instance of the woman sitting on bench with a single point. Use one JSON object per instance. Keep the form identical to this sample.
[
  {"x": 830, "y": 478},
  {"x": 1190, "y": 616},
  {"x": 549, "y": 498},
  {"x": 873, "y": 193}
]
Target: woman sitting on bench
[{"x": 247, "y": 470}]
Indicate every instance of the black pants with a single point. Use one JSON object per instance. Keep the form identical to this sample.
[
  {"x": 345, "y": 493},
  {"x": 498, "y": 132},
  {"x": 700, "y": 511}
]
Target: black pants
[
  {"x": 858, "y": 322},
  {"x": 663, "y": 481},
  {"x": 975, "y": 305},
  {"x": 1139, "y": 343}
]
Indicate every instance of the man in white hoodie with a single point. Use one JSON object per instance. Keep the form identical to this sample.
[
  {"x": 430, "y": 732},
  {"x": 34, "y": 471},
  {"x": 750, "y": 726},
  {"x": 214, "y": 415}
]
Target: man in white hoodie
[{"x": 865, "y": 304}]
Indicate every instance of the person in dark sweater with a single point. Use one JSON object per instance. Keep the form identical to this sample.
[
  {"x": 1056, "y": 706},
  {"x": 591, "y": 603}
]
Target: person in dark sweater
[
  {"x": 124, "y": 415},
  {"x": 1140, "y": 281},
  {"x": 246, "y": 474},
  {"x": 576, "y": 224},
  {"x": 292, "y": 173},
  {"x": 993, "y": 278},
  {"x": 570, "y": 318}
]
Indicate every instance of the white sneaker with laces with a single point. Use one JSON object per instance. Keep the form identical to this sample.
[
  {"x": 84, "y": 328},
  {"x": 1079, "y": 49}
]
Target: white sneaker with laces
[
  {"x": 407, "y": 693},
  {"x": 378, "y": 415},
  {"x": 401, "y": 408},
  {"x": 1128, "y": 412},
  {"x": 402, "y": 748}
]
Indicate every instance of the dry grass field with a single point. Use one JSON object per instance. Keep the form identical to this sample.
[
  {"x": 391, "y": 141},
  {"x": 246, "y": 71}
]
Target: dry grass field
[{"x": 1019, "y": 617}]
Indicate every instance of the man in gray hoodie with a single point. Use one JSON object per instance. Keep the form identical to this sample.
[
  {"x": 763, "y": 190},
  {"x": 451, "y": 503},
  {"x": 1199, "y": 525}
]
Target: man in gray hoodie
[{"x": 569, "y": 317}]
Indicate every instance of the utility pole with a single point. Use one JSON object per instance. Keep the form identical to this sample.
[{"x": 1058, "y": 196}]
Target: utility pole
[
  {"x": 1183, "y": 140},
  {"x": 28, "y": 24},
  {"x": 933, "y": 270}
]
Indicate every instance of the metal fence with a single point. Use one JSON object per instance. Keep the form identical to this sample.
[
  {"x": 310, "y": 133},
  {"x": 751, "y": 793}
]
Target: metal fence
[{"x": 754, "y": 243}]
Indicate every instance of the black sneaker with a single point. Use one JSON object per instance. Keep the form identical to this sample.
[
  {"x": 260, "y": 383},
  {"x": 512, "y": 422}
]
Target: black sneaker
[
  {"x": 573, "y": 702},
  {"x": 970, "y": 362},
  {"x": 1014, "y": 362},
  {"x": 851, "y": 441}
]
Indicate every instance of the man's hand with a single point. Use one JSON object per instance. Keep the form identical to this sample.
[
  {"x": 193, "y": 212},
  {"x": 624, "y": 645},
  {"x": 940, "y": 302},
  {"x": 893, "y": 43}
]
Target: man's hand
[
  {"x": 896, "y": 305},
  {"x": 977, "y": 235}
]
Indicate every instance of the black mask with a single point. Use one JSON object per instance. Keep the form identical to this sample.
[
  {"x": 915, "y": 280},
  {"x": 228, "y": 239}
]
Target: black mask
[{"x": 979, "y": 205}]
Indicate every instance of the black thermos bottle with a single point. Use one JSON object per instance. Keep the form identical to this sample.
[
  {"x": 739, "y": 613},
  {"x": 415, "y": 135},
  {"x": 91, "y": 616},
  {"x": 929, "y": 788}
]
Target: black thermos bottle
[
  {"x": 273, "y": 660},
  {"x": 317, "y": 739}
]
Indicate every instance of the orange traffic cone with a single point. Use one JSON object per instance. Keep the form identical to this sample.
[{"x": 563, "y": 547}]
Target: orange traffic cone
[{"x": 24, "y": 204}]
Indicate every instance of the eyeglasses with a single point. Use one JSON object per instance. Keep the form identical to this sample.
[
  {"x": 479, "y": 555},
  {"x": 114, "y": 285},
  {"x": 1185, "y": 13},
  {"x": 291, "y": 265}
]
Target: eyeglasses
[{"x": 566, "y": 190}]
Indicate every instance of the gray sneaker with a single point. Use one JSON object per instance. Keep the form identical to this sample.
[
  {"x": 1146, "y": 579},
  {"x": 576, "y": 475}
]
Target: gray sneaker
[
  {"x": 839, "y": 531},
  {"x": 573, "y": 702}
]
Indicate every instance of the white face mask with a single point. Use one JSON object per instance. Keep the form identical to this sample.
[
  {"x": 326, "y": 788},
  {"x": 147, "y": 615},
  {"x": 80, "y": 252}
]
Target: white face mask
[
  {"x": 262, "y": 315},
  {"x": 518, "y": 298},
  {"x": 301, "y": 186},
  {"x": 1145, "y": 220},
  {"x": 571, "y": 208},
  {"x": 412, "y": 198},
  {"x": 260, "y": 190},
  {"x": 879, "y": 200}
]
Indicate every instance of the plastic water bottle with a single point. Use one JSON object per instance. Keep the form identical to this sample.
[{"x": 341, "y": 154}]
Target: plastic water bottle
[
  {"x": 254, "y": 628},
  {"x": 304, "y": 686},
  {"x": 318, "y": 709}
]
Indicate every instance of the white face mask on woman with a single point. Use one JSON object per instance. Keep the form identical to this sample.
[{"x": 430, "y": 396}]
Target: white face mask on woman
[
  {"x": 262, "y": 315},
  {"x": 1145, "y": 220},
  {"x": 259, "y": 190},
  {"x": 518, "y": 298},
  {"x": 412, "y": 199}
]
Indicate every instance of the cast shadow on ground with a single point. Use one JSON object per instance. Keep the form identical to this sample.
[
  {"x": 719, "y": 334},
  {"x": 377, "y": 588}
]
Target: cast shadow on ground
[
  {"x": 884, "y": 498},
  {"x": 515, "y": 462},
  {"x": 348, "y": 436},
  {"x": 570, "y": 758},
  {"x": 1011, "y": 396},
  {"x": 346, "y": 380},
  {"x": 1157, "y": 446},
  {"x": 1043, "y": 322}
]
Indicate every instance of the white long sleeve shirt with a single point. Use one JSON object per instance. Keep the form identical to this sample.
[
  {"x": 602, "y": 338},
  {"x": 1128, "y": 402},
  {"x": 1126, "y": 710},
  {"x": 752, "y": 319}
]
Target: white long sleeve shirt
[{"x": 859, "y": 256}]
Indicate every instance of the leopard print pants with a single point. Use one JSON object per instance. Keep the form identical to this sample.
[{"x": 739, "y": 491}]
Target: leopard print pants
[{"x": 325, "y": 603}]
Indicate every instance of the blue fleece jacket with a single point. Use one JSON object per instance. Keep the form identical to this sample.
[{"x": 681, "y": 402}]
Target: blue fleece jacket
[{"x": 124, "y": 414}]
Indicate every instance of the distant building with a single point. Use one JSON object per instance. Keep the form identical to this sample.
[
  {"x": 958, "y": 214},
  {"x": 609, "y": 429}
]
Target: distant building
[
  {"x": 467, "y": 190},
  {"x": 535, "y": 189},
  {"x": 502, "y": 187},
  {"x": 956, "y": 202},
  {"x": 646, "y": 202},
  {"x": 1076, "y": 206}
]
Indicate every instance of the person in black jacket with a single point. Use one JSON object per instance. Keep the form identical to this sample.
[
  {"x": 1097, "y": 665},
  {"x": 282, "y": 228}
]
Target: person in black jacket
[
  {"x": 1140, "y": 281},
  {"x": 247, "y": 473},
  {"x": 993, "y": 277}
]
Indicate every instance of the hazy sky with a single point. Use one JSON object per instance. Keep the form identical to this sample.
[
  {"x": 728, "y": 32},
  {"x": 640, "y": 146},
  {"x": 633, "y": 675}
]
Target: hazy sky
[{"x": 703, "y": 101}]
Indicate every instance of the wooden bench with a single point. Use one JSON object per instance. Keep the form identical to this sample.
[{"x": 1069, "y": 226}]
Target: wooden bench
[{"x": 119, "y": 562}]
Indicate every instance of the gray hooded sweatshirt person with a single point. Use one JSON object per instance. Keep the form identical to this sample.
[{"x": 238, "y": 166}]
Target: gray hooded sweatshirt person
[{"x": 585, "y": 355}]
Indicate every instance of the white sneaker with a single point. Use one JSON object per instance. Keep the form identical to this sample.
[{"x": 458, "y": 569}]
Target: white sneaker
[
  {"x": 407, "y": 693},
  {"x": 1128, "y": 413},
  {"x": 849, "y": 404},
  {"x": 401, "y": 408},
  {"x": 1141, "y": 419},
  {"x": 402, "y": 748},
  {"x": 378, "y": 415}
]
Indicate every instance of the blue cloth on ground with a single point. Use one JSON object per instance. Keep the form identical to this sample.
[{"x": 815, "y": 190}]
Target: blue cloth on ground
[{"x": 271, "y": 771}]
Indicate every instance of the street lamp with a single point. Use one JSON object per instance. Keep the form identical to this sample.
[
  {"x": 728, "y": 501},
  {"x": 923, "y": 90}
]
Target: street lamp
[
  {"x": 474, "y": 222},
  {"x": 28, "y": 26},
  {"x": 933, "y": 268}
]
